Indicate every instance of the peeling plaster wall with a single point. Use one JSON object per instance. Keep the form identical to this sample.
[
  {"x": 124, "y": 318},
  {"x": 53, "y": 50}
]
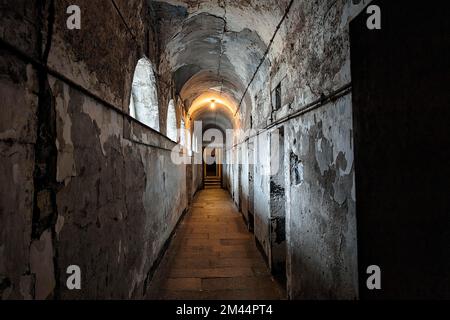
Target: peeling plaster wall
[
  {"x": 322, "y": 222},
  {"x": 318, "y": 150},
  {"x": 18, "y": 134},
  {"x": 321, "y": 217},
  {"x": 93, "y": 171},
  {"x": 112, "y": 190},
  {"x": 320, "y": 200}
]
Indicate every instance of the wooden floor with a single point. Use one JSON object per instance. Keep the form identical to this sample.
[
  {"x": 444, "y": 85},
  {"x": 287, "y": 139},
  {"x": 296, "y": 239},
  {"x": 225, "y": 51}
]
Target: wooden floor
[{"x": 213, "y": 256}]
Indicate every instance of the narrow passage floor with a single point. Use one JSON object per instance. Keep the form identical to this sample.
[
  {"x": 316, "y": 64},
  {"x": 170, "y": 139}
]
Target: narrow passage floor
[{"x": 213, "y": 256}]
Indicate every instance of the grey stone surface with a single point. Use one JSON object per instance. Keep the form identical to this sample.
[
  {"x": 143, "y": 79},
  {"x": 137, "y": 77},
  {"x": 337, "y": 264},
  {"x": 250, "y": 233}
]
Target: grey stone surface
[{"x": 109, "y": 180}]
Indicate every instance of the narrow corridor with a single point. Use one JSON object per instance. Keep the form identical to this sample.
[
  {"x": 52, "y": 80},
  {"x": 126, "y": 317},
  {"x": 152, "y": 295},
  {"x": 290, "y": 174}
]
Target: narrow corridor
[
  {"x": 213, "y": 256},
  {"x": 129, "y": 134}
]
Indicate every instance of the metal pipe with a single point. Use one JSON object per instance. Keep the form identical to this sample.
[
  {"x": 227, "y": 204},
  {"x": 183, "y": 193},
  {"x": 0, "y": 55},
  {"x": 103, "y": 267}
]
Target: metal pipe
[{"x": 341, "y": 92}]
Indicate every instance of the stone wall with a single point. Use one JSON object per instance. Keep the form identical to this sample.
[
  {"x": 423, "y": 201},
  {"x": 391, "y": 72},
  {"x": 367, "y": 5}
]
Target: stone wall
[
  {"x": 310, "y": 57},
  {"x": 75, "y": 167}
]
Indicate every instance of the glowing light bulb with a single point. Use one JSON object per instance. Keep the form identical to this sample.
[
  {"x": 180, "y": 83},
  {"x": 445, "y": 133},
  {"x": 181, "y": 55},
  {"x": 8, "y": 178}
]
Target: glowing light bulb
[{"x": 213, "y": 104}]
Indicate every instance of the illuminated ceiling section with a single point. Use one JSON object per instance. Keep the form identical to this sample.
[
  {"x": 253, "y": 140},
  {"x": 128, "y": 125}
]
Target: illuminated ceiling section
[
  {"x": 212, "y": 105},
  {"x": 213, "y": 49}
]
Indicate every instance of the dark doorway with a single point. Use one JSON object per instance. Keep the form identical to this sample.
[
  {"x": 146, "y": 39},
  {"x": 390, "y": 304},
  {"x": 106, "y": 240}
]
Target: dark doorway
[
  {"x": 211, "y": 170},
  {"x": 277, "y": 256},
  {"x": 401, "y": 108},
  {"x": 211, "y": 165}
]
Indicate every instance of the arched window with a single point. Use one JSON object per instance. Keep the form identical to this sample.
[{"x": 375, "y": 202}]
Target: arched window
[
  {"x": 183, "y": 134},
  {"x": 194, "y": 146},
  {"x": 189, "y": 142},
  {"x": 172, "y": 122},
  {"x": 144, "y": 96}
]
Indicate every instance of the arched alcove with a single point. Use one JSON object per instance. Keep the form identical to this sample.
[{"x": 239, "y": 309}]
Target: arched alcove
[{"x": 144, "y": 96}]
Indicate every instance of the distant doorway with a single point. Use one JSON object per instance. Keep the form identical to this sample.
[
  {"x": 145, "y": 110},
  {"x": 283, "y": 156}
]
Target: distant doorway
[
  {"x": 212, "y": 167},
  {"x": 212, "y": 162}
]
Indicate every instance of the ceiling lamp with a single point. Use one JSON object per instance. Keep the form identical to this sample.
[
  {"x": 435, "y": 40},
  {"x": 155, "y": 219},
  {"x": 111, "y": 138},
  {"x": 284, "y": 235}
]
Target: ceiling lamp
[{"x": 213, "y": 104}]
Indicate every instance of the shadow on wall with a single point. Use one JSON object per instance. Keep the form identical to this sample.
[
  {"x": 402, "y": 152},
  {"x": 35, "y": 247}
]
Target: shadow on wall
[{"x": 401, "y": 119}]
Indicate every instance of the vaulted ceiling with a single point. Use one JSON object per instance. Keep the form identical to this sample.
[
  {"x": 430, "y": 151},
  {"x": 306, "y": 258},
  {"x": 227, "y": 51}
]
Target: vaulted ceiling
[{"x": 214, "y": 47}]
